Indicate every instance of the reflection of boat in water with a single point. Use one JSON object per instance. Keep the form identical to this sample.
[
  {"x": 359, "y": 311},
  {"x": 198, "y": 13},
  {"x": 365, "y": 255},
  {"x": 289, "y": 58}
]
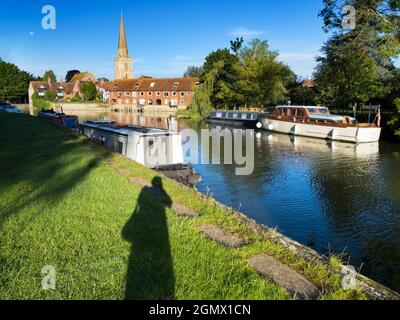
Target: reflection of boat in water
[
  {"x": 307, "y": 144},
  {"x": 158, "y": 149},
  {"x": 245, "y": 119},
  {"x": 317, "y": 122}
]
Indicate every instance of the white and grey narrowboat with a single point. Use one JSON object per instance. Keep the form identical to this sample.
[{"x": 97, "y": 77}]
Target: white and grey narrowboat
[
  {"x": 158, "y": 149},
  {"x": 245, "y": 119}
]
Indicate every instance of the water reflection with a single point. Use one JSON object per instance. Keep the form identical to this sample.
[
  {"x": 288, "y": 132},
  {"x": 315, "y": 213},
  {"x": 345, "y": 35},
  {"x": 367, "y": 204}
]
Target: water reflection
[{"x": 324, "y": 194}]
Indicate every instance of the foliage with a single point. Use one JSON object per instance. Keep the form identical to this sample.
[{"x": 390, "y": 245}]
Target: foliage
[
  {"x": 14, "y": 83},
  {"x": 237, "y": 44},
  {"x": 395, "y": 122},
  {"x": 252, "y": 77},
  {"x": 201, "y": 105},
  {"x": 71, "y": 74},
  {"x": 49, "y": 74},
  {"x": 300, "y": 95},
  {"x": 40, "y": 104},
  {"x": 193, "y": 71},
  {"x": 346, "y": 76},
  {"x": 50, "y": 96},
  {"x": 89, "y": 91},
  {"x": 76, "y": 98},
  {"x": 358, "y": 63},
  {"x": 264, "y": 81}
]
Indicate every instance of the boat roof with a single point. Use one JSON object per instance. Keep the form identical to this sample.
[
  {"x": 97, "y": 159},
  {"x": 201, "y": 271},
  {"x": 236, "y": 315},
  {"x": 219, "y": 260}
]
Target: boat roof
[
  {"x": 112, "y": 126},
  {"x": 302, "y": 107}
]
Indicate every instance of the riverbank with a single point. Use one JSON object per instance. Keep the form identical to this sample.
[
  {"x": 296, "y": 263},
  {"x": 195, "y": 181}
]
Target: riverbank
[{"x": 109, "y": 234}]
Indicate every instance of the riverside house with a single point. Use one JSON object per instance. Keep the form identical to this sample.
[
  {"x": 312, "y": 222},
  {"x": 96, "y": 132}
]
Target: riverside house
[{"x": 145, "y": 91}]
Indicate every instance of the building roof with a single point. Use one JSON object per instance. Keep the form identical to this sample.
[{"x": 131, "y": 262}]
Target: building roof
[
  {"x": 154, "y": 84},
  {"x": 53, "y": 86},
  {"x": 81, "y": 76},
  {"x": 308, "y": 83}
]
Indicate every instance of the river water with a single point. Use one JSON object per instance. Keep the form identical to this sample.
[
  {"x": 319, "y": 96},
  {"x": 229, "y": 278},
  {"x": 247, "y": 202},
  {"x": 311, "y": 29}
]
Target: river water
[{"x": 334, "y": 197}]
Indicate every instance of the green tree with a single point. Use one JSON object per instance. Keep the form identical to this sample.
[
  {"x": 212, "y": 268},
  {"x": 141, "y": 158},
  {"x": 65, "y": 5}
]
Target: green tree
[
  {"x": 395, "y": 121},
  {"x": 346, "y": 76},
  {"x": 264, "y": 81},
  {"x": 89, "y": 91},
  {"x": 50, "y": 96},
  {"x": 201, "y": 104},
  {"x": 49, "y": 74},
  {"x": 193, "y": 71},
  {"x": 14, "y": 83},
  {"x": 357, "y": 65},
  {"x": 237, "y": 44},
  {"x": 71, "y": 74},
  {"x": 226, "y": 81}
]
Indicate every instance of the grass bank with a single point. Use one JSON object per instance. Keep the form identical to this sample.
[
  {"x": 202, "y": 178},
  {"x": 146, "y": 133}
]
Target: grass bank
[{"x": 68, "y": 203}]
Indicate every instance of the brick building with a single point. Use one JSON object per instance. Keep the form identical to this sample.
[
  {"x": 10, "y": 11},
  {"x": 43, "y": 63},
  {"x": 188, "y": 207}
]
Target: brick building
[{"x": 145, "y": 91}]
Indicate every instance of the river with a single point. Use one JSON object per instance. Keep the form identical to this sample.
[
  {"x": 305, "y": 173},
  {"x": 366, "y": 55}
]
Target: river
[{"x": 334, "y": 197}]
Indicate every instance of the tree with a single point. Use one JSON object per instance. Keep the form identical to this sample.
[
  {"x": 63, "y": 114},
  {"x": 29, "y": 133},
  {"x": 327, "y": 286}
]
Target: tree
[
  {"x": 89, "y": 91},
  {"x": 237, "y": 44},
  {"x": 201, "y": 104},
  {"x": 14, "y": 83},
  {"x": 71, "y": 74},
  {"x": 358, "y": 62},
  {"x": 50, "y": 96},
  {"x": 193, "y": 71},
  {"x": 49, "y": 74},
  {"x": 264, "y": 81},
  {"x": 346, "y": 76},
  {"x": 226, "y": 85},
  {"x": 395, "y": 122}
]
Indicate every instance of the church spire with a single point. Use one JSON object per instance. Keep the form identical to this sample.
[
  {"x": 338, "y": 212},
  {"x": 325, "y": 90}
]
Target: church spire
[
  {"x": 122, "y": 44},
  {"x": 123, "y": 66}
]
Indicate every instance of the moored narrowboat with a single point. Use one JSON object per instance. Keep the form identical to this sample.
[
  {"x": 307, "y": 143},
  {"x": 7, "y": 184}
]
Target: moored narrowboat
[
  {"x": 245, "y": 119},
  {"x": 158, "y": 149}
]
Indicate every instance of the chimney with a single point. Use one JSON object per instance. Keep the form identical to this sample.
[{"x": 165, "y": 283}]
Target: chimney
[{"x": 49, "y": 80}]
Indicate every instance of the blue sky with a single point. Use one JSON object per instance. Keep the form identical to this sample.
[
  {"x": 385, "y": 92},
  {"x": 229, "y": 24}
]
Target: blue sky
[{"x": 164, "y": 37}]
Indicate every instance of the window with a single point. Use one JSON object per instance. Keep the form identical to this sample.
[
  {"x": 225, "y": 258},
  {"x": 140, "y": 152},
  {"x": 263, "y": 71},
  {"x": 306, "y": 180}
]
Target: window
[
  {"x": 152, "y": 85},
  {"x": 142, "y": 94},
  {"x": 134, "y": 94},
  {"x": 119, "y": 94},
  {"x": 158, "y": 93},
  {"x": 182, "y": 94},
  {"x": 174, "y": 93},
  {"x": 127, "y": 94},
  {"x": 166, "y": 93},
  {"x": 188, "y": 93},
  {"x": 182, "y": 101},
  {"x": 150, "y": 93}
]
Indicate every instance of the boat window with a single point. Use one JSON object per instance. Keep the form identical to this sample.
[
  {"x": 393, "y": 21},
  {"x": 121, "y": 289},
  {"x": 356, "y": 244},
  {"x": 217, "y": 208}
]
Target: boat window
[
  {"x": 312, "y": 110},
  {"x": 235, "y": 116},
  {"x": 219, "y": 115},
  {"x": 223, "y": 114},
  {"x": 299, "y": 113}
]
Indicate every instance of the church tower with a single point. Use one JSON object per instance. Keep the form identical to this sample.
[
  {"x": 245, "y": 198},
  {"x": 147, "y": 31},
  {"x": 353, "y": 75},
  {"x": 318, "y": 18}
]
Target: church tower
[{"x": 123, "y": 62}]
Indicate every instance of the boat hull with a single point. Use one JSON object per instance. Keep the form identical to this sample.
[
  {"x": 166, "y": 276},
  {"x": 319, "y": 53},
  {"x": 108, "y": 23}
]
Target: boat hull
[{"x": 346, "y": 134}]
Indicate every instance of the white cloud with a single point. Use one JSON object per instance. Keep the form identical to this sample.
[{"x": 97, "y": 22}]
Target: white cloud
[{"x": 245, "y": 32}]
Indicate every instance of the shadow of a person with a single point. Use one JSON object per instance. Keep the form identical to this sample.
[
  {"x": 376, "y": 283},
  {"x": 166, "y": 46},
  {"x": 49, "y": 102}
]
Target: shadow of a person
[{"x": 150, "y": 274}]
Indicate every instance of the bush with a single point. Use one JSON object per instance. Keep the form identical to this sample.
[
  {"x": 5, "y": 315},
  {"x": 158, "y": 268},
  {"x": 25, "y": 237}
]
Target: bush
[
  {"x": 50, "y": 96},
  {"x": 40, "y": 104},
  {"x": 76, "y": 98},
  {"x": 395, "y": 122},
  {"x": 89, "y": 91}
]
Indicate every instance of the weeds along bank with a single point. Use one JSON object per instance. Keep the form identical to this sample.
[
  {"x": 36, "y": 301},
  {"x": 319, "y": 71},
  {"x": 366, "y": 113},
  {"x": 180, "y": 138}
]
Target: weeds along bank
[{"x": 72, "y": 205}]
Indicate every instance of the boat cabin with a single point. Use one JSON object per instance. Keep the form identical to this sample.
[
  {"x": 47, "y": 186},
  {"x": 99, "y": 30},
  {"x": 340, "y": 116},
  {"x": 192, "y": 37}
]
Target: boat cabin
[{"x": 311, "y": 115}]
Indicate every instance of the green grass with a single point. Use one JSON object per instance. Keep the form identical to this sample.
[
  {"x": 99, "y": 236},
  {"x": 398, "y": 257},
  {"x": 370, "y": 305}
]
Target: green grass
[{"x": 63, "y": 203}]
